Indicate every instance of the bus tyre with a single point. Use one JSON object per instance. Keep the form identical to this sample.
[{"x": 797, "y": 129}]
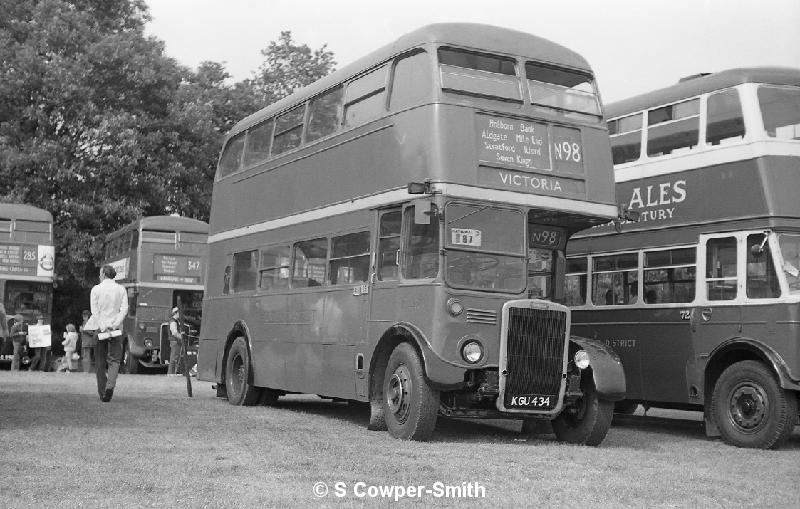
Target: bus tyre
[
  {"x": 130, "y": 364},
  {"x": 750, "y": 409},
  {"x": 237, "y": 373},
  {"x": 410, "y": 406},
  {"x": 588, "y": 420}
]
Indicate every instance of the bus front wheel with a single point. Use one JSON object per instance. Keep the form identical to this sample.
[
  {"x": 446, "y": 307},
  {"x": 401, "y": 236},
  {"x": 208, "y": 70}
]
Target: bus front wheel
[
  {"x": 751, "y": 409},
  {"x": 130, "y": 364},
  {"x": 587, "y": 421},
  {"x": 410, "y": 404},
  {"x": 237, "y": 373}
]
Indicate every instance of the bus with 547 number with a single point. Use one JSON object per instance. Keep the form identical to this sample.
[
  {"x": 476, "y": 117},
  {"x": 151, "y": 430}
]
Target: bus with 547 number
[{"x": 161, "y": 262}]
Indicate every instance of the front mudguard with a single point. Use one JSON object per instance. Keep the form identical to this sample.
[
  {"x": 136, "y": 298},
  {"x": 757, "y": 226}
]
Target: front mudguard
[{"x": 607, "y": 372}]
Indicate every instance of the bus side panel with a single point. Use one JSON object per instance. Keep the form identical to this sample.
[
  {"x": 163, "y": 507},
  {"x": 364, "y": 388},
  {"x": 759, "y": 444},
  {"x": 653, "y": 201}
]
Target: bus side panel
[
  {"x": 619, "y": 329},
  {"x": 209, "y": 358}
]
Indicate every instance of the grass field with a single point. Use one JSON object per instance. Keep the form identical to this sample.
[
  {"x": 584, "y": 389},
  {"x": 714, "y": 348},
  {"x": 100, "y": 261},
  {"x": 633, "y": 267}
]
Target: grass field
[{"x": 152, "y": 446}]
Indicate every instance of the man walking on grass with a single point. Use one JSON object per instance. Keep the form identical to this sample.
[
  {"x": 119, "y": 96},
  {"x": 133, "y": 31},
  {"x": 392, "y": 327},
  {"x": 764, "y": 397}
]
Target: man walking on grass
[{"x": 109, "y": 304}]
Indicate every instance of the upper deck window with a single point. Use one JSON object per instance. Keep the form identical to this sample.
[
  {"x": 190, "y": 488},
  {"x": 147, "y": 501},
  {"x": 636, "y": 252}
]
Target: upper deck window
[
  {"x": 258, "y": 142},
  {"x": 365, "y": 97},
  {"x": 780, "y": 108},
  {"x": 288, "y": 130},
  {"x": 673, "y": 127},
  {"x": 324, "y": 114},
  {"x": 626, "y": 138},
  {"x": 725, "y": 122},
  {"x": 561, "y": 88},
  {"x": 411, "y": 80},
  {"x": 231, "y": 155},
  {"x": 479, "y": 74}
]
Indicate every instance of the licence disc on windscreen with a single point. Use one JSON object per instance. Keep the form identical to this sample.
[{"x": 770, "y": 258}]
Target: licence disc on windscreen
[{"x": 465, "y": 237}]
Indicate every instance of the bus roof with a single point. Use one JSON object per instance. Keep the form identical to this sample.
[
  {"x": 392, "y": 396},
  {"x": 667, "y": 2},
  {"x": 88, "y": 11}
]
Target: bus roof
[
  {"x": 165, "y": 223},
  {"x": 20, "y": 211},
  {"x": 693, "y": 86},
  {"x": 484, "y": 38}
]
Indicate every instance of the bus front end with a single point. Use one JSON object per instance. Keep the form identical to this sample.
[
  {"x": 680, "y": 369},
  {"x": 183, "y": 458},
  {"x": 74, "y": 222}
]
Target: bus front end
[{"x": 533, "y": 361}]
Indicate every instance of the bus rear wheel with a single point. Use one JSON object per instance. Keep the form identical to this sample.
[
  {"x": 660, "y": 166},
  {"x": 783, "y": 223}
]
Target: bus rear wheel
[
  {"x": 588, "y": 420},
  {"x": 237, "y": 373},
  {"x": 411, "y": 406},
  {"x": 750, "y": 408}
]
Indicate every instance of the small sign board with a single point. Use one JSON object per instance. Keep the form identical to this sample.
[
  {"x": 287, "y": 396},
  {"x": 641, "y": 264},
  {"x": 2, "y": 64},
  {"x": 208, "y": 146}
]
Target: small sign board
[{"x": 39, "y": 336}]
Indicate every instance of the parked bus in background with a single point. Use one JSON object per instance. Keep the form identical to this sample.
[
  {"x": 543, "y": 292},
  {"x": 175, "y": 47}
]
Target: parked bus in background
[
  {"x": 701, "y": 296},
  {"x": 395, "y": 232},
  {"x": 161, "y": 261},
  {"x": 27, "y": 261}
]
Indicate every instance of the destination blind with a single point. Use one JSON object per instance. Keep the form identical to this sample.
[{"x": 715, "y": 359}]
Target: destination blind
[{"x": 177, "y": 269}]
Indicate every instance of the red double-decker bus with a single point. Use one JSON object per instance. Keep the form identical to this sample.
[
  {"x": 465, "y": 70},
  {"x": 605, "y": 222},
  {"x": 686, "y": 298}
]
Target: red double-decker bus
[
  {"x": 27, "y": 262},
  {"x": 161, "y": 261},
  {"x": 394, "y": 234},
  {"x": 701, "y": 296}
]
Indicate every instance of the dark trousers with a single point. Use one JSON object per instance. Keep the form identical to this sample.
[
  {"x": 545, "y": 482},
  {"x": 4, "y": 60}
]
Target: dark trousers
[
  {"x": 16, "y": 360},
  {"x": 174, "y": 356},
  {"x": 107, "y": 354},
  {"x": 39, "y": 359},
  {"x": 87, "y": 359}
]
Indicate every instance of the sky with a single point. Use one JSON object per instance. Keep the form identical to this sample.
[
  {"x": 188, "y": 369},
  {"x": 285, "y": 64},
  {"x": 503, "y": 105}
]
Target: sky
[{"x": 633, "y": 46}]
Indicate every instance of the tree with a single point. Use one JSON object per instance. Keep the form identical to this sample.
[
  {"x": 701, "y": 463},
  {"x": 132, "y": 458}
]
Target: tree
[
  {"x": 99, "y": 126},
  {"x": 289, "y": 66}
]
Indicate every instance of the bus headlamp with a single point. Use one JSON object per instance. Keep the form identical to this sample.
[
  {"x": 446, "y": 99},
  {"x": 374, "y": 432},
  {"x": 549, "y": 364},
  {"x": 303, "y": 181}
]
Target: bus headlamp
[
  {"x": 454, "y": 307},
  {"x": 582, "y": 359},
  {"x": 472, "y": 351},
  {"x": 148, "y": 343}
]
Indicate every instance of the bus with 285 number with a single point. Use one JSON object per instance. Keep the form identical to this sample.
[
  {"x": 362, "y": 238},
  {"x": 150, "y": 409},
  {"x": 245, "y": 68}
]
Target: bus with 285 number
[
  {"x": 700, "y": 296},
  {"x": 394, "y": 234},
  {"x": 27, "y": 264}
]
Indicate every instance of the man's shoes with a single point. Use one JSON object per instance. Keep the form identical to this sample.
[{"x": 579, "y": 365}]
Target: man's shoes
[{"x": 107, "y": 396}]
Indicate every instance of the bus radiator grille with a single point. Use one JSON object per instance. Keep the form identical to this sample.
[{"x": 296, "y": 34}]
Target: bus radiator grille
[{"x": 535, "y": 353}]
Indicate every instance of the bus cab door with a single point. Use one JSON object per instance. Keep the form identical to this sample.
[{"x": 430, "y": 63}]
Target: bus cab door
[
  {"x": 718, "y": 315},
  {"x": 383, "y": 289}
]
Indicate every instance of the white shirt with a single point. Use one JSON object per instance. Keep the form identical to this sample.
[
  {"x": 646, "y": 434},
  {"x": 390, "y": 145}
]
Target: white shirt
[{"x": 109, "y": 303}]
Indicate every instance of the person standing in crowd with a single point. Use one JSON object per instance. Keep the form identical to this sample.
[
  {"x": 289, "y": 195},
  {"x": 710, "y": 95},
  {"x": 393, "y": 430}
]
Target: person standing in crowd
[
  {"x": 70, "y": 343},
  {"x": 3, "y": 327},
  {"x": 18, "y": 336},
  {"x": 39, "y": 359},
  {"x": 109, "y": 305},
  {"x": 88, "y": 342},
  {"x": 175, "y": 342}
]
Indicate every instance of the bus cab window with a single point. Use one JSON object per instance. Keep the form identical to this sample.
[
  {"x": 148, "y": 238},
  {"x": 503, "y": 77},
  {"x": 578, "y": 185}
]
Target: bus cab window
[
  {"x": 421, "y": 251},
  {"x": 132, "y": 298},
  {"x": 540, "y": 273},
  {"x": 389, "y": 245},
  {"x": 790, "y": 260},
  {"x": 310, "y": 257},
  {"x": 762, "y": 280},
  {"x": 721, "y": 268},
  {"x": 226, "y": 281}
]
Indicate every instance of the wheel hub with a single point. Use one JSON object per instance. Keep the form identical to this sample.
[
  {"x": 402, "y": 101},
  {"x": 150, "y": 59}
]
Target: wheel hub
[
  {"x": 398, "y": 393},
  {"x": 748, "y": 405}
]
